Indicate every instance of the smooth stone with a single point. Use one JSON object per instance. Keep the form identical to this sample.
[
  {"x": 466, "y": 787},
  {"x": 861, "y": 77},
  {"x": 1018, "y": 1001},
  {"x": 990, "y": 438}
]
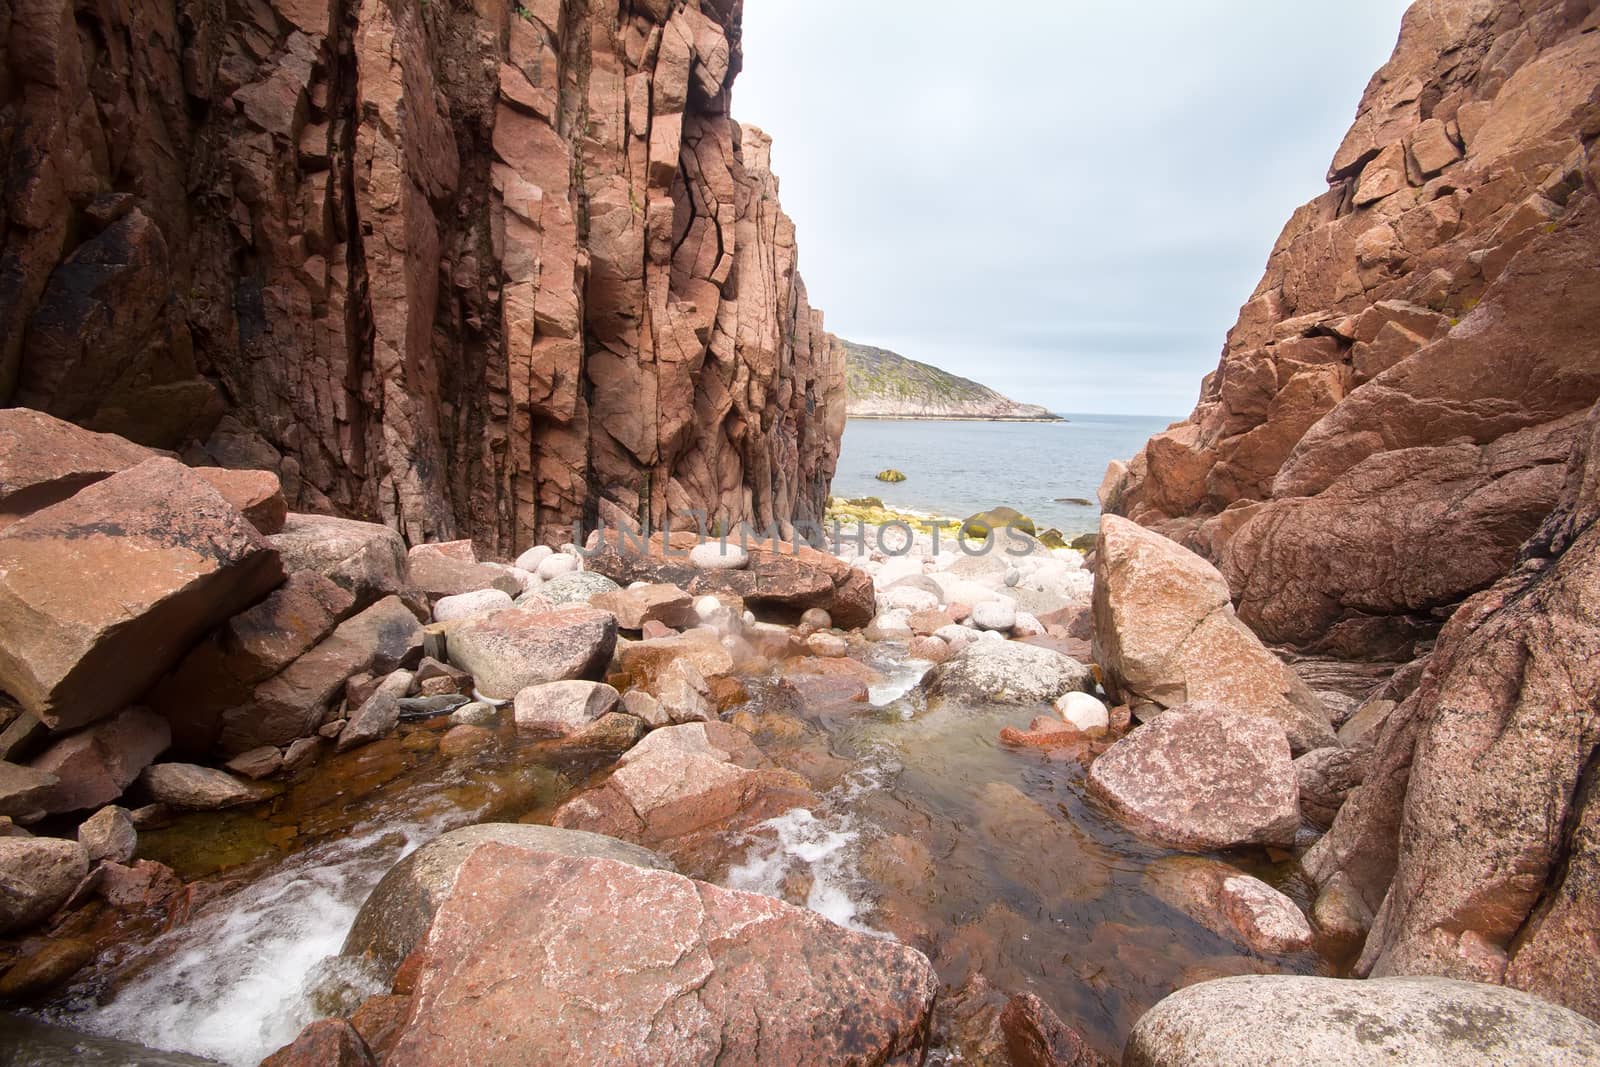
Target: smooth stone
[
  {"x": 414, "y": 708},
  {"x": 184, "y": 785},
  {"x": 476, "y": 713},
  {"x": 992, "y": 670},
  {"x": 994, "y": 615},
  {"x": 560, "y": 709},
  {"x": 717, "y": 556},
  {"x": 1084, "y": 711},
  {"x": 578, "y": 587},
  {"x": 466, "y": 605}
]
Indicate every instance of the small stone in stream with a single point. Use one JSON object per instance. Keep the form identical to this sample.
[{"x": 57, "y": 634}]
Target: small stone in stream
[
  {"x": 466, "y": 605},
  {"x": 994, "y": 615},
  {"x": 614, "y": 733},
  {"x": 439, "y": 687},
  {"x": 1264, "y": 917},
  {"x": 560, "y": 709},
  {"x": 957, "y": 637},
  {"x": 890, "y": 626},
  {"x": 641, "y": 704},
  {"x": 476, "y": 713},
  {"x": 933, "y": 650},
  {"x": 373, "y": 719},
  {"x": 1202, "y": 777},
  {"x": 108, "y": 834},
  {"x": 827, "y": 645},
  {"x": 47, "y": 967},
  {"x": 324, "y": 1043},
  {"x": 928, "y": 623},
  {"x": 419, "y": 741},
  {"x": 258, "y": 763},
  {"x": 814, "y": 620},
  {"x": 1042, "y": 732},
  {"x": 300, "y": 752},
  {"x": 415, "y": 707},
  {"x": 192, "y": 788},
  {"x": 23, "y": 790},
  {"x": 718, "y": 556},
  {"x": 1036, "y": 1036},
  {"x": 684, "y": 694},
  {"x": 1005, "y": 672},
  {"x": 37, "y": 875},
  {"x": 465, "y": 740},
  {"x": 96, "y": 764},
  {"x": 142, "y": 884},
  {"x": 652, "y": 630},
  {"x": 1340, "y": 914},
  {"x": 1084, "y": 711}
]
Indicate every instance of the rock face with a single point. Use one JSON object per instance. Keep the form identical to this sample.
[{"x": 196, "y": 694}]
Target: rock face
[
  {"x": 1286, "y": 1019},
  {"x": 1166, "y": 634},
  {"x": 658, "y": 969},
  {"x": 886, "y": 385},
  {"x": 102, "y": 593},
  {"x": 1202, "y": 777},
  {"x": 1476, "y": 834},
  {"x": 474, "y": 274},
  {"x": 1392, "y": 411}
]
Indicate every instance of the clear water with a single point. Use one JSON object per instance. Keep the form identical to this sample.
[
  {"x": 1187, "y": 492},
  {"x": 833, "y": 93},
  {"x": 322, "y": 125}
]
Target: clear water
[{"x": 961, "y": 468}]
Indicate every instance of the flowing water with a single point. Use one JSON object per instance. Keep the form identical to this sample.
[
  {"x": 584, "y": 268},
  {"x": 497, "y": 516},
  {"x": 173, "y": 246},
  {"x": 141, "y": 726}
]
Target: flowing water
[
  {"x": 989, "y": 859},
  {"x": 956, "y": 469}
]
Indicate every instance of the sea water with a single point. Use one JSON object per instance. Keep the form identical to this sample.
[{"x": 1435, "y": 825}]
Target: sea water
[{"x": 958, "y": 469}]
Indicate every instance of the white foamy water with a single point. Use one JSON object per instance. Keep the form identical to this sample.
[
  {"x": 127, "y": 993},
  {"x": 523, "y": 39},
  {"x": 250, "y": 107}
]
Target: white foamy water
[
  {"x": 825, "y": 847},
  {"x": 233, "y": 983},
  {"x": 899, "y": 680}
]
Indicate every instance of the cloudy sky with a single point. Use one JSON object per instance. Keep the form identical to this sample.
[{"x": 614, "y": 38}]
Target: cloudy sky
[{"x": 1067, "y": 201}]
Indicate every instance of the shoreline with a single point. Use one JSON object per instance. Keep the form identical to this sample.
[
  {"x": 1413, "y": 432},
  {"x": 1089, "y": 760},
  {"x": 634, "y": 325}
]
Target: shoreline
[{"x": 955, "y": 418}]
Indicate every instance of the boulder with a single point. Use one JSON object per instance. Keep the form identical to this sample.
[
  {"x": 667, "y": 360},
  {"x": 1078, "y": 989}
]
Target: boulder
[
  {"x": 561, "y": 709},
  {"x": 890, "y": 475},
  {"x": 576, "y": 587},
  {"x": 994, "y": 615},
  {"x": 104, "y": 592},
  {"x": 324, "y": 1043},
  {"x": 108, "y": 834},
  {"x": 1327, "y": 776},
  {"x": 1202, "y": 777},
  {"x": 437, "y": 575},
  {"x": 1036, "y": 1036},
  {"x": 1166, "y": 633},
  {"x": 1287, "y": 1019},
  {"x": 682, "y": 780},
  {"x": 44, "y": 460},
  {"x": 513, "y": 649},
  {"x": 647, "y": 661},
  {"x": 702, "y": 974},
  {"x": 94, "y": 765},
  {"x": 24, "y": 790},
  {"x": 633, "y": 607},
  {"x": 1083, "y": 711},
  {"x": 378, "y": 714},
  {"x": 400, "y": 908},
  {"x": 1230, "y": 903},
  {"x": 224, "y": 669},
  {"x": 257, "y": 495},
  {"x": 37, "y": 875},
  {"x": 294, "y": 702},
  {"x": 466, "y": 605},
  {"x": 1005, "y": 672},
  {"x": 191, "y": 788},
  {"x": 781, "y": 578},
  {"x": 367, "y": 559}
]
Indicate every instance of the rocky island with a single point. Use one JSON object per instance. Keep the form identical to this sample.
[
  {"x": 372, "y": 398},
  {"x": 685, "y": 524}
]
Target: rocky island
[
  {"x": 880, "y": 384},
  {"x": 420, "y": 642}
]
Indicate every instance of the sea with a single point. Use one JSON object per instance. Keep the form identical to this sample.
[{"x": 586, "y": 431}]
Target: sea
[{"x": 1049, "y": 471}]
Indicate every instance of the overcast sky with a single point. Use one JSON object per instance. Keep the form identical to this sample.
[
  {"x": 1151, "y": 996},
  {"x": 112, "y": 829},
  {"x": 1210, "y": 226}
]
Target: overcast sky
[{"x": 1067, "y": 201}]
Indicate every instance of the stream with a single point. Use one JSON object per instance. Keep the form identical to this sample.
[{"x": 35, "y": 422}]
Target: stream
[{"x": 991, "y": 860}]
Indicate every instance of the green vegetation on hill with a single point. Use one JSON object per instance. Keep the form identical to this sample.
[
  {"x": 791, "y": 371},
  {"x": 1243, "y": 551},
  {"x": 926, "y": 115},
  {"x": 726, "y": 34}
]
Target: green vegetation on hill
[{"x": 884, "y": 384}]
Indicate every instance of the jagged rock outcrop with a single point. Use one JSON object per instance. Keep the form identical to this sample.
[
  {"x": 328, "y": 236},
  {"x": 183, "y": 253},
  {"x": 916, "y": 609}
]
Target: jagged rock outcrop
[
  {"x": 880, "y": 384},
  {"x": 1393, "y": 410},
  {"x": 1476, "y": 835},
  {"x": 468, "y": 271}
]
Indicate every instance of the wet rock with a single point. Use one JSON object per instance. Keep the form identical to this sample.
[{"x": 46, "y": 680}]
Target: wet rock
[
  {"x": 44, "y": 460},
  {"x": 890, "y": 475},
  {"x": 466, "y": 605},
  {"x": 465, "y": 740},
  {"x": 400, "y": 908},
  {"x": 192, "y": 788},
  {"x": 378, "y": 714},
  {"x": 511, "y": 650},
  {"x": 560, "y": 709},
  {"x": 1201, "y": 777},
  {"x": 1042, "y": 732},
  {"x": 257, "y": 495},
  {"x": 1254, "y": 1019},
  {"x": 292, "y": 704},
  {"x": 108, "y": 834},
  {"x": 612, "y": 734},
  {"x": 24, "y": 791},
  {"x": 1005, "y": 672},
  {"x": 929, "y": 649},
  {"x": 476, "y": 713},
  {"x": 1230, "y": 903},
  {"x": 95, "y": 765},
  {"x": 37, "y": 875},
  {"x": 891, "y": 625},
  {"x": 826, "y": 645},
  {"x": 1036, "y": 1036},
  {"x": 364, "y": 558},
  {"x": 647, "y": 661},
  {"x": 415, "y": 708},
  {"x": 1166, "y": 633},
  {"x": 301, "y": 753},
  {"x": 40, "y": 1044},
  {"x": 638, "y": 967},
  {"x": 635, "y": 607},
  {"x": 104, "y": 592},
  {"x": 682, "y": 780},
  {"x": 46, "y": 967},
  {"x": 324, "y": 1043}
]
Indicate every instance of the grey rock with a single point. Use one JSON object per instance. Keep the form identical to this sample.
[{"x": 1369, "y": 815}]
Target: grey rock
[
  {"x": 108, "y": 834},
  {"x": 413, "y": 708},
  {"x": 184, "y": 785},
  {"x": 37, "y": 874},
  {"x": 576, "y": 588},
  {"x": 561, "y": 709},
  {"x": 1005, "y": 672},
  {"x": 476, "y": 713}
]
